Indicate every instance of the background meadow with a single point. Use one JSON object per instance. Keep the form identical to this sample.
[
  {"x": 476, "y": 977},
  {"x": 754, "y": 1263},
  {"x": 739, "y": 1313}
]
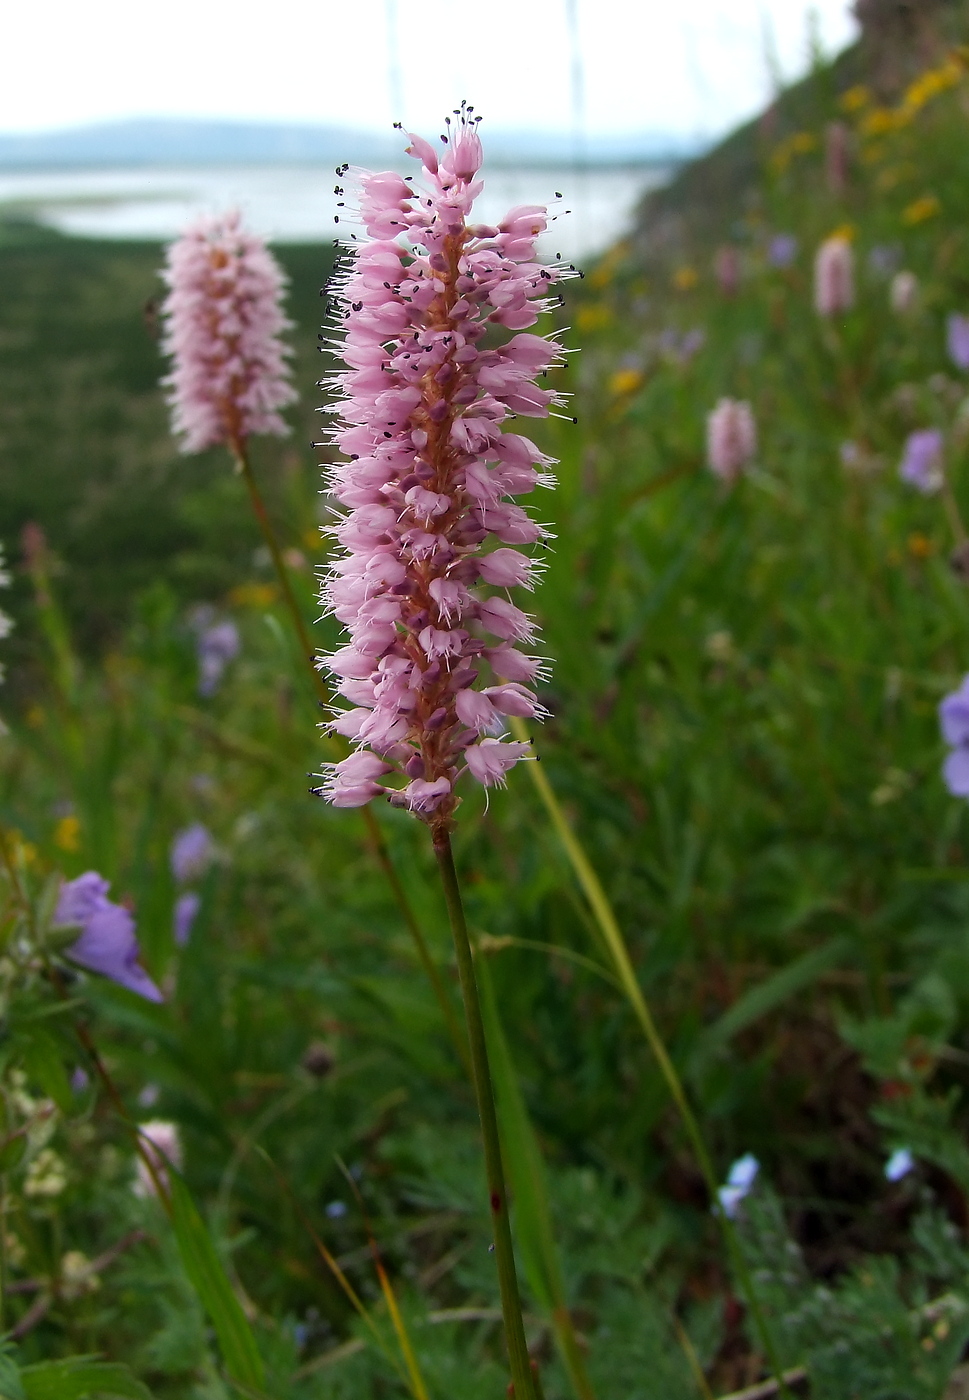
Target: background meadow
[{"x": 743, "y": 733}]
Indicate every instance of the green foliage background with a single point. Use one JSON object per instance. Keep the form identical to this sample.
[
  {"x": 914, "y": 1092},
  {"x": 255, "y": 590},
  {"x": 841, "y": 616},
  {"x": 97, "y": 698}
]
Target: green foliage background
[{"x": 743, "y": 732}]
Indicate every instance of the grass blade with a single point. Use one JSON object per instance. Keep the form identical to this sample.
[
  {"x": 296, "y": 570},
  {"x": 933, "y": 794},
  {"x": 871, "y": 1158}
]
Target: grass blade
[
  {"x": 207, "y": 1276},
  {"x": 526, "y": 1170}
]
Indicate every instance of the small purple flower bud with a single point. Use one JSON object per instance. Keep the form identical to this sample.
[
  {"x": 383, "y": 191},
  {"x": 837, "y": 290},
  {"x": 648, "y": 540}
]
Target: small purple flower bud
[
  {"x": 957, "y": 340},
  {"x": 186, "y": 910},
  {"x": 191, "y": 853},
  {"x": 921, "y": 464}
]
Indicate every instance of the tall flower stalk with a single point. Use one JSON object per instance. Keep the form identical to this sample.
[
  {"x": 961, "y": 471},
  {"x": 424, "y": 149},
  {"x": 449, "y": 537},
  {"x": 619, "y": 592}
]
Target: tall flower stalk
[
  {"x": 230, "y": 377},
  {"x": 438, "y": 657}
]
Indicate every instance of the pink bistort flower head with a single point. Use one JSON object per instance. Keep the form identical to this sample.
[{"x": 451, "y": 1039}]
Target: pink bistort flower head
[
  {"x": 223, "y": 327},
  {"x": 731, "y": 438},
  {"x": 436, "y": 661},
  {"x": 834, "y": 276}
]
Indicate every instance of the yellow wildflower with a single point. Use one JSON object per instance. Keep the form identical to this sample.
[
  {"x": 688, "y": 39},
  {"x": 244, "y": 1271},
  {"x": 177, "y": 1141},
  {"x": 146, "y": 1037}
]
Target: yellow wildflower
[
  {"x": 930, "y": 84},
  {"x": 685, "y": 278},
  {"x": 625, "y": 381},
  {"x": 921, "y": 209},
  {"x": 67, "y": 834},
  {"x": 849, "y": 232},
  {"x": 881, "y": 120},
  {"x": 797, "y": 144},
  {"x": 855, "y": 98},
  {"x": 253, "y": 595},
  {"x": 920, "y": 546},
  {"x": 593, "y": 318}
]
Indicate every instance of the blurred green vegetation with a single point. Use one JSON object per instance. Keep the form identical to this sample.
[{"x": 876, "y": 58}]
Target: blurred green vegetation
[{"x": 743, "y": 731}]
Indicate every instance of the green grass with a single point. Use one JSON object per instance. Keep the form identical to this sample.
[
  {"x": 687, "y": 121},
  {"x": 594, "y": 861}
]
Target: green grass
[{"x": 743, "y": 732}]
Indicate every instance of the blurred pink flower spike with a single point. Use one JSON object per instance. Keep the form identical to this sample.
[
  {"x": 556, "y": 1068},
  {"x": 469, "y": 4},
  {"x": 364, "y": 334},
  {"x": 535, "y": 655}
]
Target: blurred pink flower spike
[
  {"x": 434, "y": 665},
  {"x": 160, "y": 1142},
  {"x": 731, "y": 438},
  {"x": 223, "y": 326},
  {"x": 834, "y": 277},
  {"x": 107, "y": 944}
]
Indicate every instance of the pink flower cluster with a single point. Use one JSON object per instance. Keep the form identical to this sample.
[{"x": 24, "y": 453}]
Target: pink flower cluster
[
  {"x": 223, "y": 323},
  {"x": 435, "y": 663},
  {"x": 731, "y": 438},
  {"x": 834, "y": 276}
]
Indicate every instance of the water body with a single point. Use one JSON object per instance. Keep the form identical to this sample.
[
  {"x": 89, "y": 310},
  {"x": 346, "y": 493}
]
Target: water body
[{"x": 298, "y": 204}]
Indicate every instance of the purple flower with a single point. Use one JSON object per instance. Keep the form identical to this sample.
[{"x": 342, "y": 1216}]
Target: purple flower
[
  {"x": 899, "y": 1164},
  {"x": 740, "y": 1180},
  {"x": 107, "y": 943},
  {"x": 884, "y": 259},
  {"x": 79, "y": 1080},
  {"x": 921, "y": 464},
  {"x": 954, "y": 722},
  {"x": 217, "y": 646},
  {"x": 186, "y": 908},
  {"x": 782, "y": 250},
  {"x": 191, "y": 852},
  {"x": 957, "y": 340}
]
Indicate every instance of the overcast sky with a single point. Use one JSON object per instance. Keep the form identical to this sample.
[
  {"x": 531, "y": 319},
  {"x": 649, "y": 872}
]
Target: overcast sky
[{"x": 693, "y": 67}]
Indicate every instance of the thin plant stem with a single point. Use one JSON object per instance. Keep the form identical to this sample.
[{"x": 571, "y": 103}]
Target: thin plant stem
[
  {"x": 240, "y": 454},
  {"x": 616, "y": 946},
  {"x": 953, "y": 512},
  {"x": 693, "y": 1361},
  {"x": 521, "y": 1371}
]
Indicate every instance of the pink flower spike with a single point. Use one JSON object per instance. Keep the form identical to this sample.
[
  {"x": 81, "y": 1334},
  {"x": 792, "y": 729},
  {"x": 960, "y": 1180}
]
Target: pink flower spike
[
  {"x": 223, "y": 326},
  {"x": 731, "y": 438},
  {"x": 428, "y": 480},
  {"x": 834, "y": 277}
]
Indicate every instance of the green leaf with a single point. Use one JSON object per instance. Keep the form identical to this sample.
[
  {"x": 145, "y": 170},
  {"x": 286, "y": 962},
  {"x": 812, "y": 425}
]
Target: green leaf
[
  {"x": 77, "y": 1377},
  {"x": 43, "y": 1062},
  {"x": 11, "y": 1386},
  {"x": 522, "y": 1158},
  {"x": 208, "y": 1278},
  {"x": 12, "y": 1151},
  {"x": 766, "y": 996}
]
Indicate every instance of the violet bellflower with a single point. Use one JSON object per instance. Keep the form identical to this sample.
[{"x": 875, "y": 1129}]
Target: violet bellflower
[
  {"x": 921, "y": 464},
  {"x": 185, "y": 913},
  {"x": 782, "y": 250},
  {"x": 191, "y": 853},
  {"x": 107, "y": 944},
  {"x": 438, "y": 656},
  {"x": 954, "y": 722},
  {"x": 217, "y": 645},
  {"x": 223, "y": 327},
  {"x": 957, "y": 340}
]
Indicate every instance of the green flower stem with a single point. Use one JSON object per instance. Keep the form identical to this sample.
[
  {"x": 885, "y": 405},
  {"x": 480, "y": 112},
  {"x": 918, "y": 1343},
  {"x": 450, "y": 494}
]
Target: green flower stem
[
  {"x": 240, "y": 454},
  {"x": 521, "y": 1370},
  {"x": 616, "y": 946}
]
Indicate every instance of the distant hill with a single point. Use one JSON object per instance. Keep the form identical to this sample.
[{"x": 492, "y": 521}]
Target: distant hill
[{"x": 177, "y": 142}]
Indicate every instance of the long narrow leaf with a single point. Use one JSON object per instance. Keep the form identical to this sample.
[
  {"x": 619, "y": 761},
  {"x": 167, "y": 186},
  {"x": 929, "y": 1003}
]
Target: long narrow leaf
[
  {"x": 207, "y": 1276},
  {"x": 768, "y": 994},
  {"x": 526, "y": 1170}
]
